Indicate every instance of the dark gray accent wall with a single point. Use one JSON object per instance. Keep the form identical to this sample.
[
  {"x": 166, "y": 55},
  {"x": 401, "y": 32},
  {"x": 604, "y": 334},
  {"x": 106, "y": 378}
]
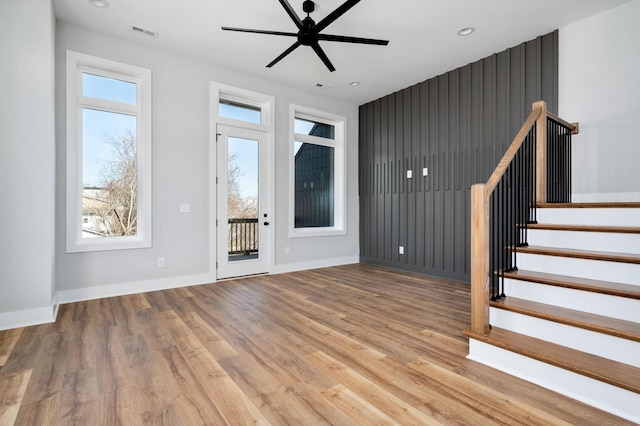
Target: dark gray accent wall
[{"x": 457, "y": 125}]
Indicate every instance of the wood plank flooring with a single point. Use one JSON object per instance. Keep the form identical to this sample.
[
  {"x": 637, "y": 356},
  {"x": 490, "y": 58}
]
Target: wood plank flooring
[{"x": 349, "y": 345}]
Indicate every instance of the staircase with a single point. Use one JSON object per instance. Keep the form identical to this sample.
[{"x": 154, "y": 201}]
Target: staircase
[{"x": 570, "y": 320}]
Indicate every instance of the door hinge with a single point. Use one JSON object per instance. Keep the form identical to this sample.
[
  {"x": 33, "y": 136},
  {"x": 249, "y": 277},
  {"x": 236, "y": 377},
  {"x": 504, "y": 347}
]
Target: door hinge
[
  {"x": 216, "y": 265},
  {"x": 216, "y": 222},
  {"x": 216, "y": 180}
]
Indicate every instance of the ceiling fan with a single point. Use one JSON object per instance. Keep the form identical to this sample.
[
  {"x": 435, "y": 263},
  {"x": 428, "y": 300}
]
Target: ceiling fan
[{"x": 309, "y": 32}]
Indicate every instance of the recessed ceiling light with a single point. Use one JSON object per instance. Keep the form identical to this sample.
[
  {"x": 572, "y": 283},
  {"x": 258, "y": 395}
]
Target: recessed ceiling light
[
  {"x": 99, "y": 3},
  {"x": 354, "y": 84},
  {"x": 465, "y": 31}
]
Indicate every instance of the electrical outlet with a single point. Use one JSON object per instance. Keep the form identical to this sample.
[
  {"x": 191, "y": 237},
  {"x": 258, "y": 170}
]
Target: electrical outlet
[
  {"x": 161, "y": 262},
  {"x": 409, "y": 174},
  {"x": 425, "y": 171},
  {"x": 185, "y": 208},
  {"x": 287, "y": 251},
  {"x": 401, "y": 250}
]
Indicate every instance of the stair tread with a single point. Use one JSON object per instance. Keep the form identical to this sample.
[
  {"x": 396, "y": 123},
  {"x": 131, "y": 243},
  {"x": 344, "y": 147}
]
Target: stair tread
[
  {"x": 582, "y": 254},
  {"x": 588, "y": 321},
  {"x": 595, "y": 205},
  {"x": 585, "y": 228},
  {"x": 594, "y": 286},
  {"x": 605, "y": 370}
]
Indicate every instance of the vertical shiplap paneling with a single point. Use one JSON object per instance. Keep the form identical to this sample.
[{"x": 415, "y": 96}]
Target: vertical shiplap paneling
[
  {"x": 377, "y": 239},
  {"x": 370, "y": 182},
  {"x": 432, "y": 120},
  {"x": 549, "y": 58},
  {"x": 458, "y": 125},
  {"x": 517, "y": 87},
  {"x": 362, "y": 161},
  {"x": 426, "y": 185},
  {"x": 410, "y": 219},
  {"x": 396, "y": 171},
  {"x": 401, "y": 221},
  {"x": 418, "y": 217},
  {"x": 532, "y": 70},
  {"x": 462, "y": 218},
  {"x": 384, "y": 230},
  {"x": 439, "y": 103}
]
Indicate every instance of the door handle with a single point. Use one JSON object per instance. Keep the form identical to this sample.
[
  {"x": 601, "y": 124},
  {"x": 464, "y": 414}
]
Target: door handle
[{"x": 266, "y": 223}]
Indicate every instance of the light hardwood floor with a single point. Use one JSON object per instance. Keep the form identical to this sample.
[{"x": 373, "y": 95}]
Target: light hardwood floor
[{"x": 349, "y": 345}]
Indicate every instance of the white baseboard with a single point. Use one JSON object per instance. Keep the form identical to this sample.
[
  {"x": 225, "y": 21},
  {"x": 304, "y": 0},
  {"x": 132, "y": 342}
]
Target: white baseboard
[
  {"x": 121, "y": 289},
  {"x": 322, "y": 263},
  {"x": 606, "y": 197},
  {"x": 27, "y": 317}
]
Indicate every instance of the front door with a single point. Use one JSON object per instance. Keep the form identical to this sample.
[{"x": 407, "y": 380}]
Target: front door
[{"x": 243, "y": 204}]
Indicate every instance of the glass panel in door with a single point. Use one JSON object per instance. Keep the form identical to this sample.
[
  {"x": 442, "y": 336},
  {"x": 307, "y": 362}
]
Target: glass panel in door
[{"x": 242, "y": 199}]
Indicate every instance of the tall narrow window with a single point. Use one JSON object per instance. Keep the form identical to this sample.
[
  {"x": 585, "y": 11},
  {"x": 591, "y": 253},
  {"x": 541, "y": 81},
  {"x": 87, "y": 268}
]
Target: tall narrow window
[
  {"x": 318, "y": 204},
  {"x": 108, "y": 154}
]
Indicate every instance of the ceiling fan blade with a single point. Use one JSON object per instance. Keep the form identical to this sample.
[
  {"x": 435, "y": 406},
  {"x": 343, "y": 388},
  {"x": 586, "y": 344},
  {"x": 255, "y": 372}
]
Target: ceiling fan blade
[
  {"x": 293, "y": 47},
  {"x": 341, "y": 10},
  {"x": 249, "y": 30},
  {"x": 316, "y": 48},
  {"x": 292, "y": 14},
  {"x": 346, "y": 39}
]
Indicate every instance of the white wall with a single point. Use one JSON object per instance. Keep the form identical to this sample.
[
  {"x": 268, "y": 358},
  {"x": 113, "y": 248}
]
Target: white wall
[
  {"x": 599, "y": 86},
  {"x": 181, "y": 174},
  {"x": 26, "y": 162}
]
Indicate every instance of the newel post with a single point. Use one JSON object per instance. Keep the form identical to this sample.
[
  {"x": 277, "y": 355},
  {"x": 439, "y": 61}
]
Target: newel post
[
  {"x": 479, "y": 259},
  {"x": 541, "y": 152}
]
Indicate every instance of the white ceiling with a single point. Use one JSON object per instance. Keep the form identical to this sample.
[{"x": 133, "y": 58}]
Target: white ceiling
[{"x": 422, "y": 34}]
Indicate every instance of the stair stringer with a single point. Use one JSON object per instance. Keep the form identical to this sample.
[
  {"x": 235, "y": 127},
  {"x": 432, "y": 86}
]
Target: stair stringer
[{"x": 601, "y": 394}]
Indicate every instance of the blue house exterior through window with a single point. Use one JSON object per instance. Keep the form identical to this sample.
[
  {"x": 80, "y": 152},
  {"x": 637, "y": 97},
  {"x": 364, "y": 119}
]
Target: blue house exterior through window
[{"x": 314, "y": 180}]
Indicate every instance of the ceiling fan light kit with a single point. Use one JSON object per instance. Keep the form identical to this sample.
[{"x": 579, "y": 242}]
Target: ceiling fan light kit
[{"x": 309, "y": 32}]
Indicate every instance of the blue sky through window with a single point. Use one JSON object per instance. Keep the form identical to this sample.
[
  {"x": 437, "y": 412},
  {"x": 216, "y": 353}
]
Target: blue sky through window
[
  {"x": 246, "y": 157},
  {"x": 239, "y": 112},
  {"x": 99, "y": 127},
  {"x": 111, "y": 89}
]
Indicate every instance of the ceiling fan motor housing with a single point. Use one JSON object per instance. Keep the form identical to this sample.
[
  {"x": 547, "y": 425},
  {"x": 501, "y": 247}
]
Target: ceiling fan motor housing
[{"x": 308, "y": 6}]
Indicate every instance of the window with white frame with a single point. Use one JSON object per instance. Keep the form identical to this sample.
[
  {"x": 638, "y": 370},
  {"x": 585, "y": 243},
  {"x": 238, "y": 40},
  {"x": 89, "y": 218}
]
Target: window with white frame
[
  {"x": 317, "y": 195},
  {"x": 108, "y": 154},
  {"x": 240, "y": 107}
]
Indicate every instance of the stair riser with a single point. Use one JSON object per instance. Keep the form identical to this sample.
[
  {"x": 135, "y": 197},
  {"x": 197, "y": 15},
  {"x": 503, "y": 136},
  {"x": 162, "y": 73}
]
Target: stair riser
[
  {"x": 624, "y": 273},
  {"x": 600, "y": 304},
  {"x": 617, "y": 401},
  {"x": 606, "y": 346},
  {"x": 588, "y": 216},
  {"x": 596, "y": 241}
]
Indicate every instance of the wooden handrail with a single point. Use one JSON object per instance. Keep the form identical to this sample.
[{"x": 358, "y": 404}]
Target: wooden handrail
[
  {"x": 511, "y": 152},
  {"x": 480, "y": 196},
  {"x": 573, "y": 126}
]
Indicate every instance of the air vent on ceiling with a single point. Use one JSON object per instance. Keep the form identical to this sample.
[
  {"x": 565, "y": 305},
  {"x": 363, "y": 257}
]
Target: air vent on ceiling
[{"x": 145, "y": 32}]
